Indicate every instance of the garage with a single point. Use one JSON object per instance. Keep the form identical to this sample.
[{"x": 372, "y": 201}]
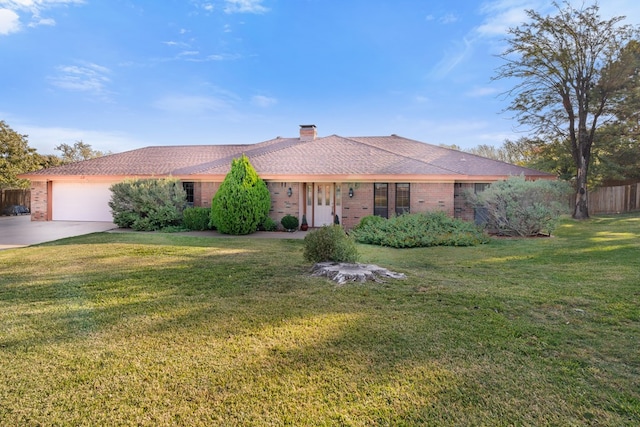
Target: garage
[{"x": 81, "y": 201}]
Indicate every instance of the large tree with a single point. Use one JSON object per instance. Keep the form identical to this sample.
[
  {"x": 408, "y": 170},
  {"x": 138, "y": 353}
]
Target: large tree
[
  {"x": 77, "y": 152},
  {"x": 570, "y": 71},
  {"x": 16, "y": 157}
]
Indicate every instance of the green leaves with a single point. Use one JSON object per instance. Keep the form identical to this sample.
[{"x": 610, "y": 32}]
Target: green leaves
[
  {"x": 517, "y": 207},
  {"x": 242, "y": 202},
  {"x": 16, "y": 157},
  {"x": 418, "y": 230},
  {"x": 147, "y": 204}
]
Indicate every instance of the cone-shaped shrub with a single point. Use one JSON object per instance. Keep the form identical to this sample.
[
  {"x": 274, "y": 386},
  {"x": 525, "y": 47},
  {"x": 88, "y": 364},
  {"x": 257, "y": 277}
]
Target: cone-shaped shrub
[{"x": 242, "y": 202}]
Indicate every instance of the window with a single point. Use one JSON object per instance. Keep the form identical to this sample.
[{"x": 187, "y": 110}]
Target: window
[
  {"x": 188, "y": 188},
  {"x": 381, "y": 200},
  {"x": 402, "y": 198}
]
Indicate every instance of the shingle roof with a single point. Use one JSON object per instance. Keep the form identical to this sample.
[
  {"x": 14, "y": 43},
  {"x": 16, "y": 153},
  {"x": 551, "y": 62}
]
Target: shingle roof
[{"x": 325, "y": 156}]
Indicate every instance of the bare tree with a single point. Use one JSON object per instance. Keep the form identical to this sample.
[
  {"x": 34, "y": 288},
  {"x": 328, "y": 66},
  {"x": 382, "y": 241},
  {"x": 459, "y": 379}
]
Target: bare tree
[{"x": 569, "y": 71}]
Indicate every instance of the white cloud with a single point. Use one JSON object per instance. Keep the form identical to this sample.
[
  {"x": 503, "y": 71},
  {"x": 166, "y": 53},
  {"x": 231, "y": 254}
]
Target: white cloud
[
  {"x": 86, "y": 77},
  {"x": 263, "y": 101},
  {"x": 245, "y": 6},
  {"x": 9, "y": 22},
  {"x": 43, "y": 21},
  {"x": 11, "y": 10}
]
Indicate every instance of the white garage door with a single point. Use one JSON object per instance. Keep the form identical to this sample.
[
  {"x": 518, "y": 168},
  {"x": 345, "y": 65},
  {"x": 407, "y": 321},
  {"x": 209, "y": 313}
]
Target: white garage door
[{"x": 81, "y": 201}]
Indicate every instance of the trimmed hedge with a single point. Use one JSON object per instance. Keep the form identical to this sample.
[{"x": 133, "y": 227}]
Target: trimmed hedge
[
  {"x": 329, "y": 243},
  {"x": 289, "y": 222},
  {"x": 196, "y": 218},
  {"x": 418, "y": 230}
]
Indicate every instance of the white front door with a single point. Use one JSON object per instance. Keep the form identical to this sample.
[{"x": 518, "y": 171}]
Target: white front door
[{"x": 323, "y": 201}]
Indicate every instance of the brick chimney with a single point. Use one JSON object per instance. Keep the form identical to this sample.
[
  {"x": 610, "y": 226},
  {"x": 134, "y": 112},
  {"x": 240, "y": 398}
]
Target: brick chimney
[{"x": 308, "y": 132}]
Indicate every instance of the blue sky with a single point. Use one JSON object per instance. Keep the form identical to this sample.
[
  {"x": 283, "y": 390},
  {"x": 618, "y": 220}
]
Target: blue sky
[{"x": 124, "y": 74}]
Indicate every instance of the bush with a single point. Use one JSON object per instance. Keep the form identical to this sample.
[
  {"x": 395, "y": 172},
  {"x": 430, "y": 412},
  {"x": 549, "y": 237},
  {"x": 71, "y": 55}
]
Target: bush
[
  {"x": 289, "y": 222},
  {"x": 369, "y": 221},
  {"x": 196, "y": 218},
  {"x": 329, "y": 243},
  {"x": 517, "y": 207},
  {"x": 418, "y": 230},
  {"x": 242, "y": 202},
  {"x": 147, "y": 204},
  {"x": 269, "y": 224}
]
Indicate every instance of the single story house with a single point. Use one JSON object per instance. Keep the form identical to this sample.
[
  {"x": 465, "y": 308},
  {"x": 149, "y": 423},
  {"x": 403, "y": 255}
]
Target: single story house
[{"x": 320, "y": 177}]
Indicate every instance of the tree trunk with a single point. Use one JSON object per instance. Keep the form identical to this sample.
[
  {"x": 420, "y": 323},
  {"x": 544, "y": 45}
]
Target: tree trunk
[{"x": 581, "y": 210}]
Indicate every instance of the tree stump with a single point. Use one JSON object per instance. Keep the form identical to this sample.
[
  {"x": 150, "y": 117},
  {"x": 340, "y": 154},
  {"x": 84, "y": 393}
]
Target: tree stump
[{"x": 344, "y": 272}]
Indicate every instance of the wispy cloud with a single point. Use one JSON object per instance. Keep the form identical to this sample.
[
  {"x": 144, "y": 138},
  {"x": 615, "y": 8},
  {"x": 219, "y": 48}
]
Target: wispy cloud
[
  {"x": 85, "y": 77},
  {"x": 456, "y": 54},
  {"x": 245, "y": 6},
  {"x": 497, "y": 17},
  {"x": 479, "y": 92},
  {"x": 263, "y": 101},
  {"x": 13, "y": 11},
  {"x": 190, "y": 104},
  {"x": 501, "y": 15},
  {"x": 449, "y": 18}
]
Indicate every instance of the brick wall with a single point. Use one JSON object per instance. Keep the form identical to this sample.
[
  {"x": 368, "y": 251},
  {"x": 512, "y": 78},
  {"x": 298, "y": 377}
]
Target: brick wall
[
  {"x": 428, "y": 197},
  {"x": 39, "y": 201},
  {"x": 281, "y": 203},
  {"x": 358, "y": 206},
  {"x": 203, "y": 193}
]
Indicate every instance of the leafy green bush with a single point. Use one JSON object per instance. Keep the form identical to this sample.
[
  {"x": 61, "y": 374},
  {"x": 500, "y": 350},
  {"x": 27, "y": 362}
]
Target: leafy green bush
[
  {"x": 329, "y": 243},
  {"x": 289, "y": 222},
  {"x": 147, "y": 204},
  {"x": 269, "y": 224},
  {"x": 242, "y": 202},
  {"x": 418, "y": 230},
  {"x": 196, "y": 218},
  {"x": 369, "y": 221},
  {"x": 517, "y": 207}
]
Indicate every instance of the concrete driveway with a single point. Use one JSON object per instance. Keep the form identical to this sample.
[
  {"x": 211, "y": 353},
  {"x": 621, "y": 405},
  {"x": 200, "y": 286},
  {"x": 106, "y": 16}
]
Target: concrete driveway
[{"x": 19, "y": 231}]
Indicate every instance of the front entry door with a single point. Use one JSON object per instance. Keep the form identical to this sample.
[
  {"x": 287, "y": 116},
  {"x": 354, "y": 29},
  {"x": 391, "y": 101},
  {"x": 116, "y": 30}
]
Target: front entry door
[{"x": 323, "y": 209}]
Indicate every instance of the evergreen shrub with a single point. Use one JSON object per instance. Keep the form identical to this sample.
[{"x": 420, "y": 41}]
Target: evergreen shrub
[
  {"x": 517, "y": 207},
  {"x": 148, "y": 204},
  {"x": 269, "y": 224},
  {"x": 289, "y": 222},
  {"x": 329, "y": 243},
  {"x": 196, "y": 218},
  {"x": 242, "y": 202},
  {"x": 418, "y": 230}
]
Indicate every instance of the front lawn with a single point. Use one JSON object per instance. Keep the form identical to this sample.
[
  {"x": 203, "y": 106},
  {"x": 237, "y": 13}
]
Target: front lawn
[{"x": 164, "y": 329}]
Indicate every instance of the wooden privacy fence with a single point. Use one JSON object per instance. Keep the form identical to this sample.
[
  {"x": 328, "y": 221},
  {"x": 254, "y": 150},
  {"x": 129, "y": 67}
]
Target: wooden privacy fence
[
  {"x": 15, "y": 197},
  {"x": 621, "y": 198}
]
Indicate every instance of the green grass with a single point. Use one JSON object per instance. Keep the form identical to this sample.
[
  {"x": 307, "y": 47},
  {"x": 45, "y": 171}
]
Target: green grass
[{"x": 163, "y": 329}]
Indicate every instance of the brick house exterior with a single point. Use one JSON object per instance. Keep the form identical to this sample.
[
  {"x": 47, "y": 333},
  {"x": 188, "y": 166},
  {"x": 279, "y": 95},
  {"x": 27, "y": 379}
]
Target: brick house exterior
[{"x": 319, "y": 177}]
